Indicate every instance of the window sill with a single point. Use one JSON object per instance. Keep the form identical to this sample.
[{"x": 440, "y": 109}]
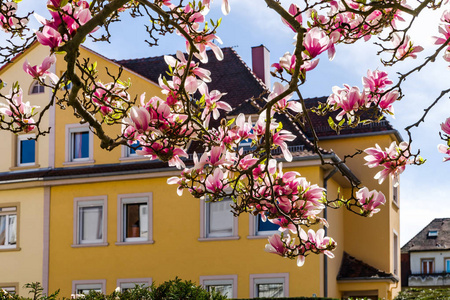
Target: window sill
[
  {"x": 396, "y": 205},
  {"x": 9, "y": 249},
  {"x": 90, "y": 245},
  {"x": 222, "y": 238},
  {"x": 135, "y": 243},
  {"x": 25, "y": 167},
  {"x": 133, "y": 158},
  {"x": 78, "y": 162},
  {"x": 258, "y": 237}
]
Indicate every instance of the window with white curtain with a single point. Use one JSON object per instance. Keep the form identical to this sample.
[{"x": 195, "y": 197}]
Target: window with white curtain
[
  {"x": 8, "y": 227},
  {"x": 219, "y": 218},
  {"x": 90, "y": 218}
]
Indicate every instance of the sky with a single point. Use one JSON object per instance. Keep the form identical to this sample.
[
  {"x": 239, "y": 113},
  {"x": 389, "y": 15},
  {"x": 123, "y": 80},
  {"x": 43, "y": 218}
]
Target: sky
[{"x": 424, "y": 190}]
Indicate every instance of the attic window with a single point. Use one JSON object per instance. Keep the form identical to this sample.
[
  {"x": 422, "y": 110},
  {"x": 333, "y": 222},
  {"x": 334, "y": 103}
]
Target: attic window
[{"x": 432, "y": 233}]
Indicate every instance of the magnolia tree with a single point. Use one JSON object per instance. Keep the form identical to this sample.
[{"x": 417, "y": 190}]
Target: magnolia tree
[{"x": 164, "y": 127}]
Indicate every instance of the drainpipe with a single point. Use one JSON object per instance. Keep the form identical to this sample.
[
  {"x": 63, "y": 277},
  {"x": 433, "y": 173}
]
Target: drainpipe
[{"x": 325, "y": 216}]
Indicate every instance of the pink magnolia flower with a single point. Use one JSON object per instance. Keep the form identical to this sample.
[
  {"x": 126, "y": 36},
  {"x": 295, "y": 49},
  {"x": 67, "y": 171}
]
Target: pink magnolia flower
[
  {"x": 406, "y": 49},
  {"x": 394, "y": 160},
  {"x": 376, "y": 80},
  {"x": 284, "y": 224},
  {"x": 276, "y": 245},
  {"x": 318, "y": 241},
  {"x": 49, "y": 37},
  {"x": 212, "y": 103},
  {"x": 42, "y": 70},
  {"x": 282, "y": 104},
  {"x": 445, "y": 31},
  {"x": 214, "y": 183},
  {"x": 315, "y": 42},
  {"x": 225, "y": 6},
  {"x": 279, "y": 138},
  {"x": 294, "y": 10},
  {"x": 370, "y": 200},
  {"x": 349, "y": 99},
  {"x": 444, "y": 149},
  {"x": 201, "y": 42},
  {"x": 387, "y": 100},
  {"x": 446, "y": 126}
]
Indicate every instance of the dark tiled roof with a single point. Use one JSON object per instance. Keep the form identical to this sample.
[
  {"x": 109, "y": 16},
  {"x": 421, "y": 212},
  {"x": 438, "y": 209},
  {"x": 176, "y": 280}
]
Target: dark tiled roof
[
  {"x": 231, "y": 75},
  {"x": 423, "y": 242},
  {"x": 354, "y": 269},
  {"x": 324, "y": 130}
]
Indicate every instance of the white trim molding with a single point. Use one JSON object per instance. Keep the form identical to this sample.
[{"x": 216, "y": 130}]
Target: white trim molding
[{"x": 267, "y": 279}]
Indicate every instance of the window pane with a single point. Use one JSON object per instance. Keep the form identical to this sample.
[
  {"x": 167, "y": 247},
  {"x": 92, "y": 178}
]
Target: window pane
[
  {"x": 27, "y": 151},
  {"x": 136, "y": 220},
  {"x": 80, "y": 142},
  {"x": 270, "y": 290},
  {"x": 132, "y": 151},
  {"x": 2, "y": 230},
  {"x": 12, "y": 229},
  {"x": 266, "y": 226},
  {"x": 223, "y": 289},
  {"x": 220, "y": 218},
  {"x": 447, "y": 265},
  {"x": 91, "y": 223}
]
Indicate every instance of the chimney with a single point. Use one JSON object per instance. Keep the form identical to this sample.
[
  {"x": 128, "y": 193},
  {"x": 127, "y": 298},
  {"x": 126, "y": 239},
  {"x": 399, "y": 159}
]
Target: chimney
[{"x": 261, "y": 63}]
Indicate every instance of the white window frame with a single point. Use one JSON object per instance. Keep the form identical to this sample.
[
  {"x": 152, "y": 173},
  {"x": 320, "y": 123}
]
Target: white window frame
[
  {"x": 21, "y": 138},
  {"x": 70, "y": 130},
  {"x": 89, "y": 284},
  {"x": 130, "y": 283},
  {"x": 396, "y": 195},
  {"x": 204, "y": 226},
  {"x": 33, "y": 84},
  {"x": 10, "y": 287},
  {"x": 10, "y": 210},
  {"x": 428, "y": 260},
  {"x": 124, "y": 199},
  {"x": 396, "y": 251},
  {"x": 206, "y": 281},
  {"x": 126, "y": 155},
  {"x": 86, "y": 202},
  {"x": 447, "y": 260},
  {"x": 272, "y": 278}
]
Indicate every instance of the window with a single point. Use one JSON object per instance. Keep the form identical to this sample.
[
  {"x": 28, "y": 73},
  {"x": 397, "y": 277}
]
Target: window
[
  {"x": 26, "y": 150},
  {"x": 90, "y": 221},
  {"x": 265, "y": 228},
  {"x": 217, "y": 221},
  {"x": 79, "y": 144},
  {"x": 395, "y": 252},
  {"x": 135, "y": 218},
  {"x": 269, "y": 285},
  {"x": 130, "y": 153},
  {"x": 8, "y": 227},
  {"x": 36, "y": 88},
  {"x": 225, "y": 285},
  {"x": 427, "y": 266},
  {"x": 432, "y": 233},
  {"x": 447, "y": 265},
  {"x": 129, "y": 284},
  {"x": 395, "y": 194},
  {"x": 86, "y": 286},
  {"x": 10, "y": 289}
]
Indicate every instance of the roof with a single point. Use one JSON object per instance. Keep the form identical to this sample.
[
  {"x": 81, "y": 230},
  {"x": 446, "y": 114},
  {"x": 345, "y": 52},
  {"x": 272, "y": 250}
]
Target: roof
[
  {"x": 322, "y": 128},
  {"x": 437, "y": 241},
  {"x": 354, "y": 269}
]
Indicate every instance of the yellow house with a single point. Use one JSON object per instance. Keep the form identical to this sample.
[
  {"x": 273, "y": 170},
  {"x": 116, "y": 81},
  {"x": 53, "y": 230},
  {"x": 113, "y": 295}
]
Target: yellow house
[{"x": 97, "y": 220}]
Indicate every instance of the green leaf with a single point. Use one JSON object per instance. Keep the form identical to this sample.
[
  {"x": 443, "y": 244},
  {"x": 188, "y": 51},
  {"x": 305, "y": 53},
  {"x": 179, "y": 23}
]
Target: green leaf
[{"x": 230, "y": 122}]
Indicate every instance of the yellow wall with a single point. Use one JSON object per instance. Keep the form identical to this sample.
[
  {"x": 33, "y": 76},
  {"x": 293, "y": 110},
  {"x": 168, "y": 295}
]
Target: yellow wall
[
  {"x": 176, "y": 250},
  {"x": 63, "y": 117},
  {"x": 371, "y": 238},
  {"x": 24, "y": 265},
  {"x": 10, "y": 74}
]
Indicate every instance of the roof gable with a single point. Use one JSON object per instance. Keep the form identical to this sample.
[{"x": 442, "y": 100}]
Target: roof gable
[{"x": 424, "y": 241}]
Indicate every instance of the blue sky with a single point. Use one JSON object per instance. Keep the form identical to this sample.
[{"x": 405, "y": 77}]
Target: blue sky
[{"x": 424, "y": 190}]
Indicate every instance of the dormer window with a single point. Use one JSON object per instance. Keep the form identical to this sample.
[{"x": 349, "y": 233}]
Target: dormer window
[
  {"x": 432, "y": 233},
  {"x": 36, "y": 88}
]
